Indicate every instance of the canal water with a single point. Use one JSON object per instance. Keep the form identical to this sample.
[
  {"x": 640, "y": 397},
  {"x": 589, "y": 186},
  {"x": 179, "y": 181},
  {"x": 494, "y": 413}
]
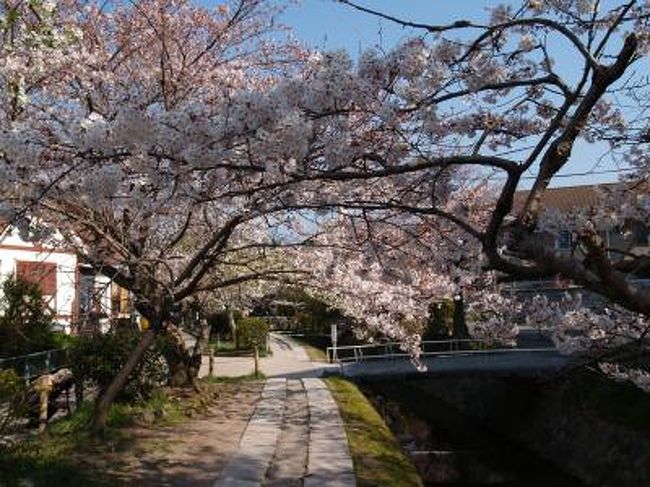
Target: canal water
[{"x": 451, "y": 449}]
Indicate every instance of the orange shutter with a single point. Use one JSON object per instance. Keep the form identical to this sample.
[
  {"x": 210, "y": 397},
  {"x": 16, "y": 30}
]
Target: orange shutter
[
  {"x": 43, "y": 274},
  {"x": 40, "y": 273}
]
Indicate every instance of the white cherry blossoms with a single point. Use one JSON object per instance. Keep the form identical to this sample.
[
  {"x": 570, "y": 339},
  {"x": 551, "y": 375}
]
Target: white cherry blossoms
[{"x": 592, "y": 331}]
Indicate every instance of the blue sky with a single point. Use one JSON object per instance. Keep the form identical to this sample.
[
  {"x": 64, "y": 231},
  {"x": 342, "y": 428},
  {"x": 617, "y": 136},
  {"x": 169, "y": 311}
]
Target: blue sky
[{"x": 327, "y": 24}]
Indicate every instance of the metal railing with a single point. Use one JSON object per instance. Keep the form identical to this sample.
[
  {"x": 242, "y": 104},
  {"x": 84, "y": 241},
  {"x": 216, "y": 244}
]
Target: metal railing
[
  {"x": 394, "y": 350},
  {"x": 32, "y": 365}
]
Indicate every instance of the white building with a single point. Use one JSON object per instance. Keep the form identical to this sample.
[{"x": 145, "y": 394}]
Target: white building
[{"x": 71, "y": 290}]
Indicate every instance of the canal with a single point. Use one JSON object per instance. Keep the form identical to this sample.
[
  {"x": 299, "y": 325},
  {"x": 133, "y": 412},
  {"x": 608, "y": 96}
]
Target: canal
[{"x": 449, "y": 448}]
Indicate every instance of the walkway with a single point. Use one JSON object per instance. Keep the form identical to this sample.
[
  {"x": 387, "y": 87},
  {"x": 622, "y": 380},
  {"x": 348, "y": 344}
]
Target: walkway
[
  {"x": 295, "y": 436},
  {"x": 288, "y": 360}
]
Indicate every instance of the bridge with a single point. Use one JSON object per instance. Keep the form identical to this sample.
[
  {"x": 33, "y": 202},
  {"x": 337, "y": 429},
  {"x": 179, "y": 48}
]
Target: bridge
[{"x": 533, "y": 355}]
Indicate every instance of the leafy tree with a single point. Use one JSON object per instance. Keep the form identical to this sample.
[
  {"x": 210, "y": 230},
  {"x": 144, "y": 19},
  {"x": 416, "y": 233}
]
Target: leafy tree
[{"x": 25, "y": 324}]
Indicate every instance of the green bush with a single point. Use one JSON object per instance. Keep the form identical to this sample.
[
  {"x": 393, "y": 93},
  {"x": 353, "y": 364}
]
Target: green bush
[
  {"x": 62, "y": 340},
  {"x": 26, "y": 324},
  {"x": 13, "y": 398},
  {"x": 252, "y": 332},
  {"x": 97, "y": 359}
]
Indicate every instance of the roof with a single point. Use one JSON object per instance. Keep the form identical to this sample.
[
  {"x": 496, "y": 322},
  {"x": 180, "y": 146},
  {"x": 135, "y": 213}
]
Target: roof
[{"x": 571, "y": 197}]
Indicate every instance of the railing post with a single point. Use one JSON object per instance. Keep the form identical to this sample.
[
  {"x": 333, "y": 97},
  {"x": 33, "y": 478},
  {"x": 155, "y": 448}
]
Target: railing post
[
  {"x": 48, "y": 361},
  {"x": 27, "y": 372}
]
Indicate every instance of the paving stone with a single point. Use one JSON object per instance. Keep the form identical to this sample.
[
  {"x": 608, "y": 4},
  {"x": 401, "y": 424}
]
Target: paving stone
[
  {"x": 330, "y": 463},
  {"x": 289, "y": 463},
  {"x": 256, "y": 448}
]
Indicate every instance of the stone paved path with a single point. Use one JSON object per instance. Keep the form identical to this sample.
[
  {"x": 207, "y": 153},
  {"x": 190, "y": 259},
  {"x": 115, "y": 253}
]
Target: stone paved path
[
  {"x": 295, "y": 436},
  {"x": 257, "y": 445}
]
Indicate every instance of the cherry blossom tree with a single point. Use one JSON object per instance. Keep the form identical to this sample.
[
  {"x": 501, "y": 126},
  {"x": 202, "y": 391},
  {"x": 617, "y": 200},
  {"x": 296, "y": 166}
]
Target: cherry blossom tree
[
  {"x": 125, "y": 131},
  {"x": 494, "y": 99},
  {"x": 491, "y": 97},
  {"x": 384, "y": 269},
  {"x": 191, "y": 138},
  {"x": 484, "y": 101}
]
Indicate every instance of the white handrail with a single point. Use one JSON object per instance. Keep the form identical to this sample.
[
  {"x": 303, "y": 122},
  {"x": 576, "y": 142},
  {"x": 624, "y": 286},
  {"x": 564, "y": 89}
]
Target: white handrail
[{"x": 359, "y": 351}]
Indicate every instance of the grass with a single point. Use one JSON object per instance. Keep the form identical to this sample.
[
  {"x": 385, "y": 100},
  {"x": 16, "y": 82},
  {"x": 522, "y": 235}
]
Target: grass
[
  {"x": 45, "y": 460},
  {"x": 43, "y": 465},
  {"x": 378, "y": 457}
]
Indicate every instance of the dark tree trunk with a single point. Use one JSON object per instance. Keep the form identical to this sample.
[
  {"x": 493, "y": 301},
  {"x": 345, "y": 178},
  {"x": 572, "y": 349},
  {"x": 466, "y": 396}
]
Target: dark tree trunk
[
  {"x": 117, "y": 384},
  {"x": 233, "y": 327},
  {"x": 184, "y": 365},
  {"x": 460, "y": 326},
  {"x": 178, "y": 358},
  {"x": 200, "y": 347}
]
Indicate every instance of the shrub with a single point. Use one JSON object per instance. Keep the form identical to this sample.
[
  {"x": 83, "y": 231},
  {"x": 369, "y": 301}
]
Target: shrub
[
  {"x": 26, "y": 324},
  {"x": 13, "y": 398},
  {"x": 252, "y": 332},
  {"x": 62, "y": 340},
  {"x": 96, "y": 359}
]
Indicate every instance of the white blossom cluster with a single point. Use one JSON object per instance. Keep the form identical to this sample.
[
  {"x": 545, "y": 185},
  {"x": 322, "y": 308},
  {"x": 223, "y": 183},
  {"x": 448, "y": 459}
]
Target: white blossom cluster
[
  {"x": 493, "y": 317},
  {"x": 580, "y": 329},
  {"x": 639, "y": 377}
]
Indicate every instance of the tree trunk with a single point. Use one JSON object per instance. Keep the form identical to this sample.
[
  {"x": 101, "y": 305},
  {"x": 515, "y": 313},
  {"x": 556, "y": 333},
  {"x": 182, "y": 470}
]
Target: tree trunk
[
  {"x": 460, "y": 326},
  {"x": 106, "y": 399},
  {"x": 178, "y": 358},
  {"x": 184, "y": 366},
  {"x": 197, "y": 354},
  {"x": 233, "y": 327}
]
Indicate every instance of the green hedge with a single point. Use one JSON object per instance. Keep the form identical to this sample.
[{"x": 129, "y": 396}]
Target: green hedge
[
  {"x": 97, "y": 359},
  {"x": 252, "y": 331}
]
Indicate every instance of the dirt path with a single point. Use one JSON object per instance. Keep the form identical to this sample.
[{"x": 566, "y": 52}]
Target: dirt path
[{"x": 189, "y": 454}]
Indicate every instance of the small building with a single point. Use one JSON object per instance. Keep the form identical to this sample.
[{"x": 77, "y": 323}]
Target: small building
[
  {"x": 630, "y": 238},
  {"x": 79, "y": 299}
]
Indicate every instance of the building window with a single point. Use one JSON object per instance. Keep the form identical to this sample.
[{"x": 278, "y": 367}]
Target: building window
[
  {"x": 43, "y": 275},
  {"x": 88, "y": 302},
  {"x": 120, "y": 302},
  {"x": 564, "y": 240}
]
